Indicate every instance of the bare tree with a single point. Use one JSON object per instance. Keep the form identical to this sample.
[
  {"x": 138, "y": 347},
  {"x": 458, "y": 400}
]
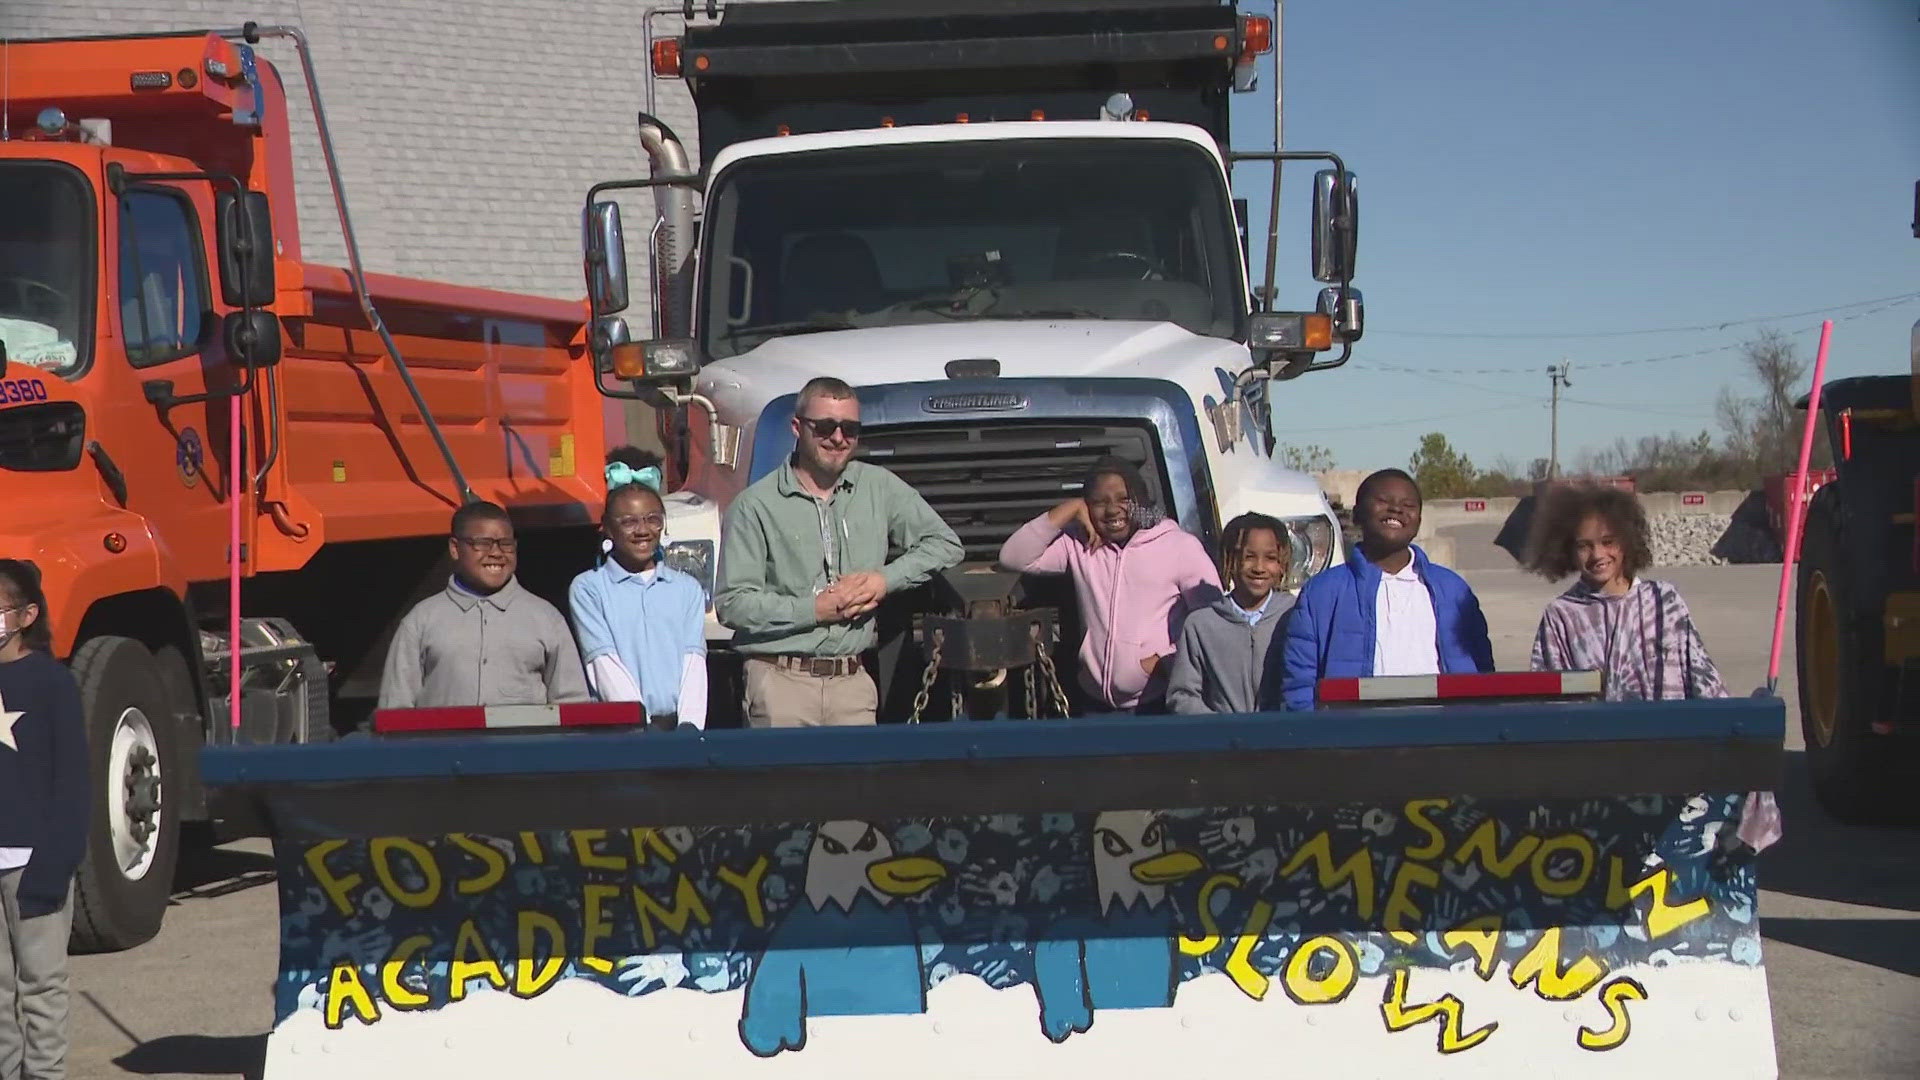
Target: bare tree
[{"x": 1763, "y": 430}]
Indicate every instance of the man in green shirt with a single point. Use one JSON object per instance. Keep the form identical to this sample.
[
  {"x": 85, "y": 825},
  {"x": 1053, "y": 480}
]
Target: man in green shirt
[{"x": 803, "y": 567}]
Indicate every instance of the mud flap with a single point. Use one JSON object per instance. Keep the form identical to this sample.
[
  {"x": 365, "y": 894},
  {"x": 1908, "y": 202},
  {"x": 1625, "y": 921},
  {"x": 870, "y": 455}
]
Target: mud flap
[{"x": 1507, "y": 890}]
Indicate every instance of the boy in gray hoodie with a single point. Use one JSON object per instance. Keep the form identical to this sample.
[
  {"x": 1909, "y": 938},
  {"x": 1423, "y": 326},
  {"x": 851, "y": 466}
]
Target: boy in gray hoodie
[{"x": 1228, "y": 661}]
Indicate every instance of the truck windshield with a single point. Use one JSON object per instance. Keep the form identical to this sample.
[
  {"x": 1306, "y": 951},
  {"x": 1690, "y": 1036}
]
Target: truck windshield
[
  {"x": 46, "y": 254},
  {"x": 921, "y": 233}
]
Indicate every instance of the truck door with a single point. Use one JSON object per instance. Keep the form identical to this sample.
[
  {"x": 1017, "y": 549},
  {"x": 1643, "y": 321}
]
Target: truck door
[{"x": 175, "y": 457}]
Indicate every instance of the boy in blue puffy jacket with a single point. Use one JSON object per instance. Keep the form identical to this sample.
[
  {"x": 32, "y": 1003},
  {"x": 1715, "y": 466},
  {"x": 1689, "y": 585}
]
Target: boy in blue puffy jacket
[{"x": 1387, "y": 610}]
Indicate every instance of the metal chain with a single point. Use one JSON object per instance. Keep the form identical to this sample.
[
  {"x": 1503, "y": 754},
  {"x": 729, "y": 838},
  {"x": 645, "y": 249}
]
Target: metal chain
[
  {"x": 927, "y": 677},
  {"x": 1053, "y": 677},
  {"x": 959, "y": 704},
  {"x": 1033, "y": 692}
]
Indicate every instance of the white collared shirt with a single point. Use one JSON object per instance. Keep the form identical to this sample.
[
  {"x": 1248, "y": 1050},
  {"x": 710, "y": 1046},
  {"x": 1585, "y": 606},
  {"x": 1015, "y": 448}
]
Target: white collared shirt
[
  {"x": 1404, "y": 639},
  {"x": 1255, "y": 614}
]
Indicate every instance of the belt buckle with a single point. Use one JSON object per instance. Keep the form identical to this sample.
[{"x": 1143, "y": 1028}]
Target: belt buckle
[{"x": 822, "y": 667}]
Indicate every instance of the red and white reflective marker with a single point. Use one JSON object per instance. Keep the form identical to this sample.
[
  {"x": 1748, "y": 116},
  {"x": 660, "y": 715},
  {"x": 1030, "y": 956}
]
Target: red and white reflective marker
[
  {"x": 1476, "y": 687},
  {"x": 508, "y": 717}
]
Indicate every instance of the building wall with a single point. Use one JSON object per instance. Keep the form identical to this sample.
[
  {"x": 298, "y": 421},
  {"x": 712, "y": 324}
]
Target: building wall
[{"x": 468, "y": 131}]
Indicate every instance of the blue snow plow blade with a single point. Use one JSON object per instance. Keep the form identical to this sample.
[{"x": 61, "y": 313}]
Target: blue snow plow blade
[{"x": 1468, "y": 890}]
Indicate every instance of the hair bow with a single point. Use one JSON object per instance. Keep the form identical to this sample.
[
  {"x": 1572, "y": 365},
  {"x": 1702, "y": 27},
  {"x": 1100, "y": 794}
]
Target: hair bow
[{"x": 620, "y": 474}]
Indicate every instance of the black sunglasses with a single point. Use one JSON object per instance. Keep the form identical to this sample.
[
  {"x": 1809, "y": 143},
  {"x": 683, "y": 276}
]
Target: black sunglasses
[{"x": 823, "y": 426}]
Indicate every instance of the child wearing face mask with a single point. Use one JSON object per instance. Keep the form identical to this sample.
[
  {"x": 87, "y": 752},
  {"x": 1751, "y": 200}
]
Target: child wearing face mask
[
  {"x": 44, "y": 787},
  {"x": 1228, "y": 661},
  {"x": 641, "y": 624}
]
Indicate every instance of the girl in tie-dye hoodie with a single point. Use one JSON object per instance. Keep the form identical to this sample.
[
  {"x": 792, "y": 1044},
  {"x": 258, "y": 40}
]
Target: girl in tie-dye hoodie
[{"x": 1636, "y": 631}]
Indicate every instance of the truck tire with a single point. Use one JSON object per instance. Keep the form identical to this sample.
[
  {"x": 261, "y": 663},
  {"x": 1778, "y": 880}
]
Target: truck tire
[
  {"x": 133, "y": 838},
  {"x": 1842, "y": 686}
]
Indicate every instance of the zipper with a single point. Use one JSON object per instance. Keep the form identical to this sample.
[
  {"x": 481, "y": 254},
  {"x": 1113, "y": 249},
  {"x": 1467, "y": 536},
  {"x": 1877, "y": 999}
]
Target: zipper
[{"x": 1113, "y": 608}]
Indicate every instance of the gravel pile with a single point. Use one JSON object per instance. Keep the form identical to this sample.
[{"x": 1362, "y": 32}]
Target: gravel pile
[
  {"x": 1686, "y": 539},
  {"x": 1709, "y": 540}
]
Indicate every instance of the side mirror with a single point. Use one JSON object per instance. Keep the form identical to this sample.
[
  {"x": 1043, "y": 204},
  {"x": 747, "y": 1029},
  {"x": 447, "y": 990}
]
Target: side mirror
[
  {"x": 252, "y": 338},
  {"x": 606, "y": 259},
  {"x": 1336, "y": 226},
  {"x": 244, "y": 230},
  {"x": 1349, "y": 318}
]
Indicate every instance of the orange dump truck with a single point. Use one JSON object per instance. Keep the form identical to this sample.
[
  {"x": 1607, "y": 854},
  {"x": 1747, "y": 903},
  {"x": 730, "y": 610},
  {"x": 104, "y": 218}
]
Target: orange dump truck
[{"x": 152, "y": 290}]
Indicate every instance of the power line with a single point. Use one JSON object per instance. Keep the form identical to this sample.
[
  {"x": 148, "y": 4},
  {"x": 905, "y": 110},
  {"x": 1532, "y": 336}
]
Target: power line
[
  {"x": 1689, "y": 354},
  {"x": 1395, "y": 423},
  {"x": 1887, "y": 301}
]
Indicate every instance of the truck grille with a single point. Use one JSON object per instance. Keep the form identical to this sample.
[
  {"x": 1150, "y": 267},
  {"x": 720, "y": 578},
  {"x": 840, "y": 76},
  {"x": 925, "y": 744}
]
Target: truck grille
[
  {"x": 987, "y": 479},
  {"x": 42, "y": 438}
]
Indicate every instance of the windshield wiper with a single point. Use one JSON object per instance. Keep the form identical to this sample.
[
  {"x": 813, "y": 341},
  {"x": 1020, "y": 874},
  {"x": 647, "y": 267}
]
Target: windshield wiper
[
  {"x": 1047, "y": 313},
  {"x": 803, "y": 326}
]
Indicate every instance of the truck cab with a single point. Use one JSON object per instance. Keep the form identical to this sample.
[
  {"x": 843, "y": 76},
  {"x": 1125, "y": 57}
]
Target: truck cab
[
  {"x": 1013, "y": 232},
  {"x": 214, "y": 451}
]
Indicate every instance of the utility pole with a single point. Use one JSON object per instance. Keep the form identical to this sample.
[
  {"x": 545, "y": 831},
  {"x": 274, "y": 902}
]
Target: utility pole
[{"x": 1557, "y": 375}]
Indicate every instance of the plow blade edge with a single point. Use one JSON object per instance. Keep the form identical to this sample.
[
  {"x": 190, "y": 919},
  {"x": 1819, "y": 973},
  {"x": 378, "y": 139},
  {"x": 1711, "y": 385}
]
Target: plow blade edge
[{"x": 1549, "y": 890}]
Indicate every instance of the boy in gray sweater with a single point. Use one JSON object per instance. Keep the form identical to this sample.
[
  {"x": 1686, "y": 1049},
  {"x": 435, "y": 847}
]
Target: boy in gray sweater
[{"x": 1228, "y": 660}]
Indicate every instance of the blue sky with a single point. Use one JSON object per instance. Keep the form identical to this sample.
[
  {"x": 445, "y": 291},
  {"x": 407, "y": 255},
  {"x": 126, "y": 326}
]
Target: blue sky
[{"x": 1529, "y": 170}]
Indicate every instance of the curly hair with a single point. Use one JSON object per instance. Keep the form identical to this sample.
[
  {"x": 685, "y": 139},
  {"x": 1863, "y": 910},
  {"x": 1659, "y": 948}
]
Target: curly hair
[{"x": 1557, "y": 519}]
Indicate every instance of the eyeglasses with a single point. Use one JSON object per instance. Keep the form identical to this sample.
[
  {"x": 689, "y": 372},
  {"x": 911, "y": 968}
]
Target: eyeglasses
[
  {"x": 504, "y": 545},
  {"x": 823, "y": 427},
  {"x": 629, "y": 522}
]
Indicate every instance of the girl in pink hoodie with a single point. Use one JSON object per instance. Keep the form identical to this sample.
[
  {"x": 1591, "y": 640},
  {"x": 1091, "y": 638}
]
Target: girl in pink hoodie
[{"x": 1136, "y": 574}]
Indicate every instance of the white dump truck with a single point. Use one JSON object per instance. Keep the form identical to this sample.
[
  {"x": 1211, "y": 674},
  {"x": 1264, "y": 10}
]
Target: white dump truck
[{"x": 1012, "y": 228}]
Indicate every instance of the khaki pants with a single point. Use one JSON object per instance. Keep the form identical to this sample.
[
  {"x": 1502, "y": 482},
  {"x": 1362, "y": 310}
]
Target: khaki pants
[
  {"x": 781, "y": 697},
  {"x": 33, "y": 987}
]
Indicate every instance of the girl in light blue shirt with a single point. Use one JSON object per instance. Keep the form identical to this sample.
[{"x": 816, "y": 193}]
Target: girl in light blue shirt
[{"x": 641, "y": 623}]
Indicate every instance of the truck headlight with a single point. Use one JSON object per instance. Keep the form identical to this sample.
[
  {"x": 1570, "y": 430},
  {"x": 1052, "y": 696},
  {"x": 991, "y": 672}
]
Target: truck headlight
[
  {"x": 1311, "y": 544},
  {"x": 693, "y": 558}
]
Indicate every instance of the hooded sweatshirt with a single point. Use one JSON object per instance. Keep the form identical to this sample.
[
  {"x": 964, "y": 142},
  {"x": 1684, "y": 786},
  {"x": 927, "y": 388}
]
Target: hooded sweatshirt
[
  {"x": 1643, "y": 641},
  {"x": 1225, "y": 664},
  {"x": 1133, "y": 598}
]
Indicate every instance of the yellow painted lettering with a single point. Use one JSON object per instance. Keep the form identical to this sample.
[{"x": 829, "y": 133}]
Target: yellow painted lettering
[
  {"x": 346, "y": 990},
  {"x": 1416, "y": 812},
  {"x": 1614, "y": 996},
  {"x": 530, "y": 843},
  {"x": 1452, "y": 1039},
  {"x": 1541, "y": 967},
  {"x": 1484, "y": 844},
  {"x": 493, "y": 864},
  {"x": 1358, "y": 869},
  {"x": 1209, "y": 938},
  {"x": 748, "y": 886},
  {"x": 397, "y": 992},
  {"x": 338, "y": 889},
  {"x": 532, "y": 975},
  {"x": 1329, "y": 988},
  {"x": 1571, "y": 884},
  {"x": 647, "y": 841},
  {"x": 383, "y": 850},
  {"x": 599, "y": 927},
  {"x": 686, "y": 905},
  {"x": 583, "y": 850},
  {"x": 471, "y": 960},
  {"x": 1239, "y": 966},
  {"x": 1482, "y": 935},
  {"x": 1401, "y": 910},
  {"x": 1663, "y": 918}
]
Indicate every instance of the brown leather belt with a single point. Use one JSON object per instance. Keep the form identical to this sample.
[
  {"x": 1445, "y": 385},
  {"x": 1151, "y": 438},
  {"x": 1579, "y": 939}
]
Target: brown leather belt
[{"x": 820, "y": 667}]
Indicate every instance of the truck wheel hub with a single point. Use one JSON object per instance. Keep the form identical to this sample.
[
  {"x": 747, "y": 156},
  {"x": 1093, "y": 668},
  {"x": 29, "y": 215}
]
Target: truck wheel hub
[{"x": 134, "y": 793}]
